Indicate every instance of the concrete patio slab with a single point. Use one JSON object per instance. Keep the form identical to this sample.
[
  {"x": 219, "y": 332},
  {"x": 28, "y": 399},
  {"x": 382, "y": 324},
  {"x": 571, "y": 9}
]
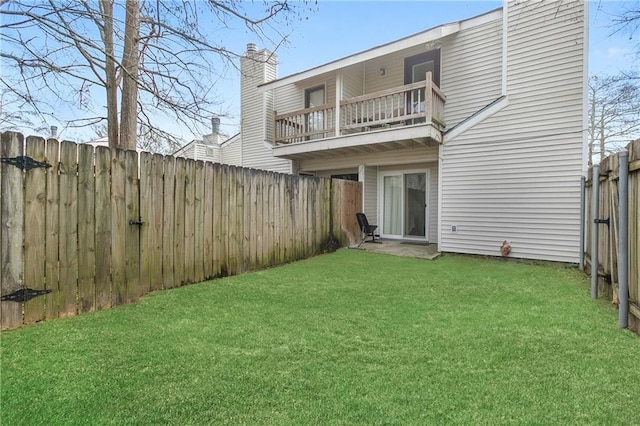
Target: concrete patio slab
[{"x": 413, "y": 249}]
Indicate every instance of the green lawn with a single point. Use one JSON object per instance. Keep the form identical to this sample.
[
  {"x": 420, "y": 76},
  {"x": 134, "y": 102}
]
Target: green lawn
[{"x": 346, "y": 338}]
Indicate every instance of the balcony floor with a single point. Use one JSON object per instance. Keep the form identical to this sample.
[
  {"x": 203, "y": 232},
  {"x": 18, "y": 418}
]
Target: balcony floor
[{"x": 385, "y": 139}]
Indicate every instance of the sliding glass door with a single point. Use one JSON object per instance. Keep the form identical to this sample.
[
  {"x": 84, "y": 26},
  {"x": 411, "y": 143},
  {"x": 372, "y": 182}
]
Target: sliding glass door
[{"x": 404, "y": 199}]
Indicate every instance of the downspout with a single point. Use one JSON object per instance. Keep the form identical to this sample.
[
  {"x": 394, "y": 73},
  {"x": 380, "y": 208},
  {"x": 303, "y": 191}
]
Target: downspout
[
  {"x": 623, "y": 224},
  {"x": 595, "y": 193},
  {"x": 582, "y": 214},
  {"x": 586, "y": 155}
]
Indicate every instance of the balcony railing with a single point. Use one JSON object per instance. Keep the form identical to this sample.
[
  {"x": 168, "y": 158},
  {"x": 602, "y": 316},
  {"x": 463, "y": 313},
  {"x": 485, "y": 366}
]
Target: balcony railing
[{"x": 416, "y": 103}]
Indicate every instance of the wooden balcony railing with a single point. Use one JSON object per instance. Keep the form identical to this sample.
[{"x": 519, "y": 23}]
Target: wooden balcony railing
[{"x": 415, "y": 103}]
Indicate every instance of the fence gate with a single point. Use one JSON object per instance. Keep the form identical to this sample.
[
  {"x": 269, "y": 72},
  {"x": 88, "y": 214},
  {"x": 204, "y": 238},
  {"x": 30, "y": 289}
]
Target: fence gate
[{"x": 70, "y": 233}]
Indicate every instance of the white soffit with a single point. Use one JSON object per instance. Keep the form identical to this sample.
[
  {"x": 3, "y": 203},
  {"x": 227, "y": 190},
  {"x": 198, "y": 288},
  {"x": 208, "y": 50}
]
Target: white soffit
[{"x": 385, "y": 49}]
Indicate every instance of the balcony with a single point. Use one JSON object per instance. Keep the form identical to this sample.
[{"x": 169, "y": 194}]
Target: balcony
[{"x": 381, "y": 120}]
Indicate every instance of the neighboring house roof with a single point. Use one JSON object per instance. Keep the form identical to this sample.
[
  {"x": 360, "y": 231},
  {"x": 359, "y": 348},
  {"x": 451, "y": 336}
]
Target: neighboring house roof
[
  {"x": 99, "y": 142},
  {"x": 208, "y": 149}
]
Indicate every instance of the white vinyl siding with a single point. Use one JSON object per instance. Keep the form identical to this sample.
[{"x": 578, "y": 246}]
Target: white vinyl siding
[
  {"x": 471, "y": 75},
  {"x": 186, "y": 151},
  {"x": 370, "y": 194},
  {"x": 516, "y": 175},
  {"x": 257, "y": 114},
  {"x": 231, "y": 151},
  {"x": 352, "y": 81},
  {"x": 199, "y": 151},
  {"x": 291, "y": 98}
]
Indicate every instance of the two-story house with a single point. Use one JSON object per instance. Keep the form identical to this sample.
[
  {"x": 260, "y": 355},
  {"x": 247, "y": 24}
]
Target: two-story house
[{"x": 464, "y": 135}]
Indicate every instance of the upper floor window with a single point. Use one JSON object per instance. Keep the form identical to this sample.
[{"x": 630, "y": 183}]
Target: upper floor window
[{"x": 417, "y": 66}]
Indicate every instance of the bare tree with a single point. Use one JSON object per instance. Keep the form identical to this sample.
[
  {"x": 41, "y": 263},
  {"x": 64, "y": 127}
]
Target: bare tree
[
  {"x": 628, "y": 20},
  {"x": 614, "y": 113},
  {"x": 149, "y": 60}
]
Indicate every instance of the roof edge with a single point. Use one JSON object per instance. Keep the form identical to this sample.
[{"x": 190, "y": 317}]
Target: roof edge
[{"x": 425, "y": 36}]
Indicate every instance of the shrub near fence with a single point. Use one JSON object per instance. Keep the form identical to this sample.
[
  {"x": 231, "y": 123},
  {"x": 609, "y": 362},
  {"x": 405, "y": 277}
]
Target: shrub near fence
[
  {"x": 608, "y": 236},
  {"x": 100, "y": 228}
]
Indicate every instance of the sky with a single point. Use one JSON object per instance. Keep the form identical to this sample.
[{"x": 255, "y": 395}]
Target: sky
[
  {"x": 342, "y": 28},
  {"x": 335, "y": 29}
]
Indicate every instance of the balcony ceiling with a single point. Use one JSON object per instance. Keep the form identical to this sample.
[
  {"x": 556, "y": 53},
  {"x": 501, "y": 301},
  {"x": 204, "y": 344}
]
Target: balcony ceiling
[{"x": 360, "y": 143}]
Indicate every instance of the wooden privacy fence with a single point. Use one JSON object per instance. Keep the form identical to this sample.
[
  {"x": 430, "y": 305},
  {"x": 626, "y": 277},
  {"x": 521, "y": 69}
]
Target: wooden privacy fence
[
  {"x": 608, "y": 235},
  {"x": 84, "y": 229}
]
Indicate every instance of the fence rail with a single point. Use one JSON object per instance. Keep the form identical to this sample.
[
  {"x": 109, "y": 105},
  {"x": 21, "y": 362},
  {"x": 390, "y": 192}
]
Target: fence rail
[
  {"x": 100, "y": 228},
  {"x": 609, "y": 234}
]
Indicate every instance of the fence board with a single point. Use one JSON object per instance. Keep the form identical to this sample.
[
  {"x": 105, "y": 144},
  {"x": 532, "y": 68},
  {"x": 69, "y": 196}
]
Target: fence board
[
  {"x": 119, "y": 227},
  {"x": 146, "y": 213},
  {"x": 199, "y": 225},
  {"x": 86, "y": 229},
  {"x": 208, "y": 230},
  {"x": 103, "y": 223},
  {"x": 224, "y": 221},
  {"x": 189, "y": 222},
  {"x": 239, "y": 217},
  {"x": 290, "y": 217},
  {"x": 168, "y": 223},
  {"x": 35, "y": 212},
  {"x": 155, "y": 222},
  {"x": 179, "y": 218},
  {"x": 232, "y": 238},
  {"x": 259, "y": 212},
  {"x": 279, "y": 215},
  {"x": 12, "y": 230},
  {"x": 68, "y": 256},
  {"x": 246, "y": 220},
  {"x": 52, "y": 226},
  {"x": 217, "y": 219},
  {"x": 267, "y": 228},
  {"x": 132, "y": 241}
]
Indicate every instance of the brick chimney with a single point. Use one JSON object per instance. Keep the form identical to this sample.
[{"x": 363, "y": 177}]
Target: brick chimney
[{"x": 215, "y": 125}]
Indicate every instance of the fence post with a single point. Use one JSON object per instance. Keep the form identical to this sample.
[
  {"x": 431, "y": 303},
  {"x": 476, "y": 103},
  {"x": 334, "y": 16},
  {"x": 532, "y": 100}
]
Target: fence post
[
  {"x": 623, "y": 232},
  {"x": 595, "y": 195}
]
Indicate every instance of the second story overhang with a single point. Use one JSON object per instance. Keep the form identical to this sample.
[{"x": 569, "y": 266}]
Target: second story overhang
[
  {"x": 379, "y": 140},
  {"x": 385, "y": 97}
]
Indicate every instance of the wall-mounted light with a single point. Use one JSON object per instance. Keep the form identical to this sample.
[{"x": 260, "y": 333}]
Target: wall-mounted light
[
  {"x": 383, "y": 72},
  {"x": 432, "y": 45}
]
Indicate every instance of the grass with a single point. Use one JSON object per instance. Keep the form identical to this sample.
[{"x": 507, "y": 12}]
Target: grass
[{"x": 346, "y": 338}]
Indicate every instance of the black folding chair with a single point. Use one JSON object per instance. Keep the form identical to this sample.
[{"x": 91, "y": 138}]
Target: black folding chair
[{"x": 366, "y": 229}]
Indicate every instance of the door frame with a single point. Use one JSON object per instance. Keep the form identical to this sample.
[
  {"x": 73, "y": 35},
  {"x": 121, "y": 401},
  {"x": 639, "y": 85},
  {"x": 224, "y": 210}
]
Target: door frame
[{"x": 380, "y": 202}]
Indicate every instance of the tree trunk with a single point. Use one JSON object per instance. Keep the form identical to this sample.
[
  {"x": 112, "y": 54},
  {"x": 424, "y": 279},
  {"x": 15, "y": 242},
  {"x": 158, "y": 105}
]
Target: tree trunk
[
  {"x": 106, "y": 7},
  {"x": 128, "y": 114}
]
